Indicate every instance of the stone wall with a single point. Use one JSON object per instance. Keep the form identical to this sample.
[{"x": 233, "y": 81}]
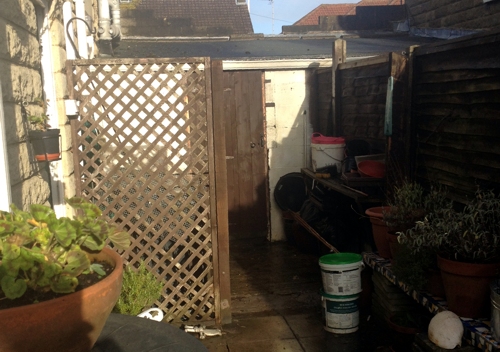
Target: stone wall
[
  {"x": 22, "y": 86},
  {"x": 454, "y": 14}
]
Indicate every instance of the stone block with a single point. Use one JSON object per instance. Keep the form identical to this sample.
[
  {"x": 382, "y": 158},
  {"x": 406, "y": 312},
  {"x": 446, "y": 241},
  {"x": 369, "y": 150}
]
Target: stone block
[
  {"x": 57, "y": 32},
  {"x": 14, "y": 123},
  {"x": 20, "y": 12},
  {"x": 21, "y": 83},
  {"x": 58, "y": 59},
  {"x": 23, "y": 47}
]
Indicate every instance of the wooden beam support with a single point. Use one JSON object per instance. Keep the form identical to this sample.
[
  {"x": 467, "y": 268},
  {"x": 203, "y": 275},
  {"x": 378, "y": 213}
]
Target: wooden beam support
[
  {"x": 221, "y": 249},
  {"x": 338, "y": 57}
]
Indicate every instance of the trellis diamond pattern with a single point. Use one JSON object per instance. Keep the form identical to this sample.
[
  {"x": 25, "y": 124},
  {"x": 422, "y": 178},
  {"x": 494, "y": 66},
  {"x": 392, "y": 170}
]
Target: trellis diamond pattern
[{"x": 142, "y": 156}]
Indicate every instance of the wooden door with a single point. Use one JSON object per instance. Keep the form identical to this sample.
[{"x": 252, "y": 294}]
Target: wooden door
[{"x": 246, "y": 150}]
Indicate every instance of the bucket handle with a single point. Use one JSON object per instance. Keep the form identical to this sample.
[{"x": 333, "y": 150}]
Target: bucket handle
[{"x": 317, "y": 134}]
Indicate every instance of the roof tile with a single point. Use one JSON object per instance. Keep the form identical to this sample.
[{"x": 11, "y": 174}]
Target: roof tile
[
  {"x": 203, "y": 13},
  {"x": 312, "y": 18}
]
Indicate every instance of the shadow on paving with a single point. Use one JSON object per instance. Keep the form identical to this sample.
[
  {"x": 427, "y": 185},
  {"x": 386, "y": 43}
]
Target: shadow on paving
[{"x": 276, "y": 305}]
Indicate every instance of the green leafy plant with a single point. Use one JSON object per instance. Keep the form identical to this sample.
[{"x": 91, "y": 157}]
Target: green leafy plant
[
  {"x": 410, "y": 203},
  {"x": 41, "y": 252},
  {"x": 39, "y": 121},
  {"x": 413, "y": 268},
  {"x": 470, "y": 235},
  {"x": 139, "y": 291}
]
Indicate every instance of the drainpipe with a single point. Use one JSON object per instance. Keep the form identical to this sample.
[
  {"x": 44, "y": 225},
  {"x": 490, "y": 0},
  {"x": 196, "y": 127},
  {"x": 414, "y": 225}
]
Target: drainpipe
[
  {"x": 49, "y": 88},
  {"x": 104, "y": 30},
  {"x": 67, "y": 15},
  {"x": 81, "y": 29},
  {"x": 116, "y": 30},
  {"x": 6, "y": 199}
]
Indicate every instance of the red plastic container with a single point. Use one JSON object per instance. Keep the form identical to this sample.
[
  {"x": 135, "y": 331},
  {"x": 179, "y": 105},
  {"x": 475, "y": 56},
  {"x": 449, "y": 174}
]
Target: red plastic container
[
  {"x": 318, "y": 138},
  {"x": 371, "y": 168}
]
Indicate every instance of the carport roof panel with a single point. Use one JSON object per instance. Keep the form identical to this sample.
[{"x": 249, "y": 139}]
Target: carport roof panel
[{"x": 265, "y": 48}]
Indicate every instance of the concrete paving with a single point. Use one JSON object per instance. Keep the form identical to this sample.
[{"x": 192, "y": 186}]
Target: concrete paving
[{"x": 277, "y": 305}]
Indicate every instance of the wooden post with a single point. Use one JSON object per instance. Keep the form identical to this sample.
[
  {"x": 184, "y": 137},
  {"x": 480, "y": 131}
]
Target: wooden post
[
  {"x": 338, "y": 57},
  {"x": 221, "y": 254}
]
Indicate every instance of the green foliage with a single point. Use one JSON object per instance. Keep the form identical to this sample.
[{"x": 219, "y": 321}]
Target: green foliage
[
  {"x": 412, "y": 268},
  {"x": 139, "y": 291},
  {"x": 41, "y": 252},
  {"x": 39, "y": 121},
  {"x": 471, "y": 235},
  {"x": 411, "y": 203}
]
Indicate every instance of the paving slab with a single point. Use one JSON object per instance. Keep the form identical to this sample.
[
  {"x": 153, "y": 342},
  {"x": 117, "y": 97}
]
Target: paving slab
[{"x": 288, "y": 345}]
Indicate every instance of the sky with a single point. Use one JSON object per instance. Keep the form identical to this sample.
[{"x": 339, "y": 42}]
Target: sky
[{"x": 286, "y": 12}]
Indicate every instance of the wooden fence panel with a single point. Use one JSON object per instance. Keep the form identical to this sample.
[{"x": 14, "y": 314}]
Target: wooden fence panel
[
  {"x": 456, "y": 104},
  {"x": 143, "y": 149}
]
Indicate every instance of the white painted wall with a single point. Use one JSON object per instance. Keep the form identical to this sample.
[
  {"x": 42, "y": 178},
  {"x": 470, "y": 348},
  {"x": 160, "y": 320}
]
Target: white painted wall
[{"x": 288, "y": 132}]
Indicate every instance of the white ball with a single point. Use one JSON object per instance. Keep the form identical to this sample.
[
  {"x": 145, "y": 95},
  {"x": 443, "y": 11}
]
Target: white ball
[{"x": 446, "y": 330}]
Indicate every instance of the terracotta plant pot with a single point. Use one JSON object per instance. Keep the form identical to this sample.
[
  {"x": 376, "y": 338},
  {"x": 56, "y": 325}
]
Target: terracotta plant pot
[
  {"x": 467, "y": 287},
  {"x": 379, "y": 230},
  {"x": 46, "y": 145},
  {"x": 69, "y": 323},
  {"x": 435, "y": 284},
  {"x": 394, "y": 246}
]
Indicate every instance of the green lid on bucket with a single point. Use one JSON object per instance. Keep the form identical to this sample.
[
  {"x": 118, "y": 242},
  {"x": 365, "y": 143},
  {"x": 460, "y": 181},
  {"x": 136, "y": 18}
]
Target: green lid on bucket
[{"x": 340, "y": 258}]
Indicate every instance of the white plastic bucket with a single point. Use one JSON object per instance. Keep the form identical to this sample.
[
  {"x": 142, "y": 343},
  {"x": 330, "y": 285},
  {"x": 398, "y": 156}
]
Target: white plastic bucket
[
  {"x": 341, "y": 273},
  {"x": 340, "y": 313},
  {"x": 327, "y": 155}
]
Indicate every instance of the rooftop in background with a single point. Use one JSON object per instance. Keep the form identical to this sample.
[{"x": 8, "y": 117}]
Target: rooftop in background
[
  {"x": 265, "y": 48},
  {"x": 186, "y": 18},
  {"x": 312, "y": 18}
]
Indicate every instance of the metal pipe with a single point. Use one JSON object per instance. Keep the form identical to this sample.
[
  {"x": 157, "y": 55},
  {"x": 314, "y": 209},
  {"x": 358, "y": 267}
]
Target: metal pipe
[
  {"x": 6, "y": 199},
  {"x": 104, "y": 20},
  {"x": 67, "y": 15},
  {"x": 81, "y": 29},
  {"x": 116, "y": 30}
]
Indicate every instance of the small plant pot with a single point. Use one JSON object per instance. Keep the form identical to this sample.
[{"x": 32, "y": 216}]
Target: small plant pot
[
  {"x": 46, "y": 144},
  {"x": 379, "y": 230}
]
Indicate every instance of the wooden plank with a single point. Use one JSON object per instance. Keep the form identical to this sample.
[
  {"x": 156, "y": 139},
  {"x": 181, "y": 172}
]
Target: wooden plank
[
  {"x": 489, "y": 37},
  {"x": 260, "y": 191},
  {"x": 377, "y": 60},
  {"x": 70, "y": 86},
  {"x": 471, "y": 73},
  {"x": 221, "y": 255},
  {"x": 376, "y": 70},
  {"x": 338, "y": 57},
  {"x": 244, "y": 141},
  {"x": 231, "y": 146},
  {"x": 460, "y": 87},
  {"x": 313, "y": 232},
  {"x": 460, "y": 60}
]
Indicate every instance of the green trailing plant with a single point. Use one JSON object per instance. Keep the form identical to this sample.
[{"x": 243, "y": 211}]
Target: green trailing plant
[
  {"x": 41, "y": 252},
  {"x": 470, "y": 235},
  {"x": 140, "y": 290},
  {"x": 39, "y": 121}
]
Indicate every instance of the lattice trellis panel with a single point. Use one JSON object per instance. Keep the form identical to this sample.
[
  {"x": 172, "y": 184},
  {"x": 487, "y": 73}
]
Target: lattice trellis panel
[{"x": 141, "y": 154}]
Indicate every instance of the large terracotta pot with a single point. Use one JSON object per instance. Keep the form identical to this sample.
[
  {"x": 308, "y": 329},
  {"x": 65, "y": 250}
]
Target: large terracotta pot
[
  {"x": 435, "y": 283},
  {"x": 467, "y": 287},
  {"x": 379, "y": 230},
  {"x": 69, "y": 323}
]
